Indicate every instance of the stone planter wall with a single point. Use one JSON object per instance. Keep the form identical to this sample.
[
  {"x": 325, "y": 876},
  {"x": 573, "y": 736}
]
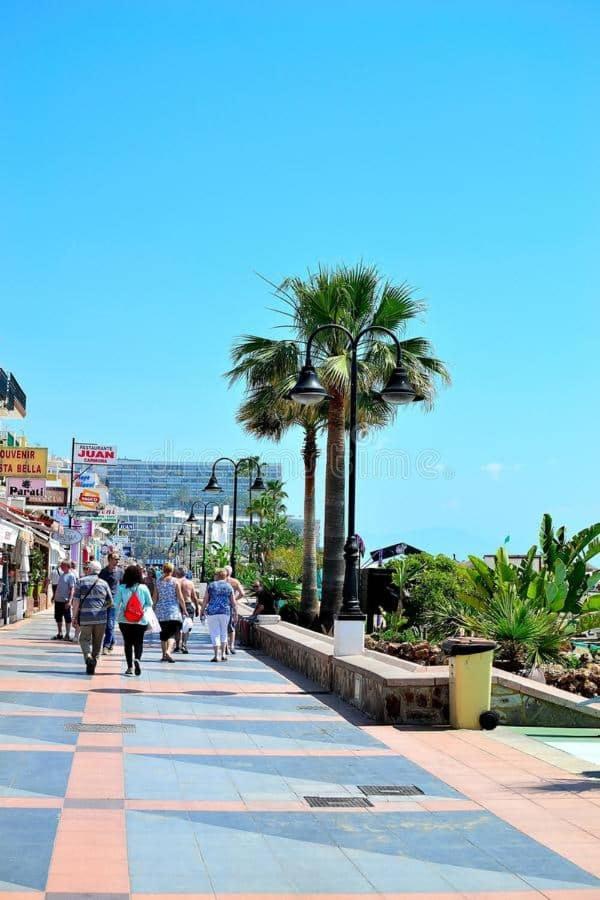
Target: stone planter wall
[{"x": 392, "y": 691}]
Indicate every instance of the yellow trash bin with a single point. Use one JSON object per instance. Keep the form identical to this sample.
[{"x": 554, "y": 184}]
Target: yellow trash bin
[{"x": 470, "y": 664}]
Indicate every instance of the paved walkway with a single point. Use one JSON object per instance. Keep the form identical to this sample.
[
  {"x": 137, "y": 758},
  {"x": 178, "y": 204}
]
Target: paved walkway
[{"x": 205, "y": 792}]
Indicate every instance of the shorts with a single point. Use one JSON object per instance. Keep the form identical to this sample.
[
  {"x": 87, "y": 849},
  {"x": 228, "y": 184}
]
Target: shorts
[
  {"x": 62, "y": 611},
  {"x": 169, "y": 629},
  {"x": 191, "y": 610}
]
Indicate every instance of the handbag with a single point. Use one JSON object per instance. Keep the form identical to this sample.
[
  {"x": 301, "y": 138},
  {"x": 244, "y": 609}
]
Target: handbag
[
  {"x": 153, "y": 623},
  {"x": 187, "y": 625}
]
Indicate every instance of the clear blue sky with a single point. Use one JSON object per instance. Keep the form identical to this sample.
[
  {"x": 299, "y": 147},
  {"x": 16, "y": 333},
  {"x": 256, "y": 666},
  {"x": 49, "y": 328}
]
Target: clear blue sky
[{"x": 157, "y": 155}]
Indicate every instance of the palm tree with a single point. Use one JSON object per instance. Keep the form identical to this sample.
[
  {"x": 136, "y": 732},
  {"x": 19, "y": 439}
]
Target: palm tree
[
  {"x": 265, "y": 413},
  {"x": 356, "y": 298}
]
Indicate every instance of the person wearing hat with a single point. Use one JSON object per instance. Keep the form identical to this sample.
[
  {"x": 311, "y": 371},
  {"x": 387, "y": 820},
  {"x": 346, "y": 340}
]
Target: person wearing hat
[{"x": 92, "y": 602}]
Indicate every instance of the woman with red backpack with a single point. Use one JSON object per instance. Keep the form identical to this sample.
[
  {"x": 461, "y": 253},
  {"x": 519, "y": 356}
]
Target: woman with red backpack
[{"x": 132, "y": 604}]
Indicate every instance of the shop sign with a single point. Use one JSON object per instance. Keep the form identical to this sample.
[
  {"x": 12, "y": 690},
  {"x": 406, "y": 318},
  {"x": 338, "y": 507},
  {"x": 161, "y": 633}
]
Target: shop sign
[
  {"x": 126, "y": 526},
  {"x": 19, "y": 488},
  {"x": 69, "y": 536},
  {"x": 95, "y": 454},
  {"x": 87, "y": 480},
  {"x": 85, "y": 526},
  {"x": 51, "y": 496},
  {"x": 24, "y": 462},
  {"x": 89, "y": 499}
]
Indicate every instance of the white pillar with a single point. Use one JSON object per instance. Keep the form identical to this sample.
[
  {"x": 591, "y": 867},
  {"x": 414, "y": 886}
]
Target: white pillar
[{"x": 348, "y": 637}]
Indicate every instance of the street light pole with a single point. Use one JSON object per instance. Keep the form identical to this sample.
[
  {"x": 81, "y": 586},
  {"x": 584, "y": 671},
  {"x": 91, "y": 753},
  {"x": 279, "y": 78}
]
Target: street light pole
[
  {"x": 214, "y": 486},
  {"x": 349, "y": 628}
]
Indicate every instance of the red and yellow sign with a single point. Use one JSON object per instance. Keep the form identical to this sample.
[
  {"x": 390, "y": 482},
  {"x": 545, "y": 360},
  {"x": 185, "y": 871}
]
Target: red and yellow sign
[
  {"x": 24, "y": 462},
  {"x": 89, "y": 499}
]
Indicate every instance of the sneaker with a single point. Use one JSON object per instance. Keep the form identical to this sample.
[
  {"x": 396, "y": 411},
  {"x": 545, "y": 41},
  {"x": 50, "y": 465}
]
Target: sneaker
[
  {"x": 105, "y": 651},
  {"x": 57, "y": 637},
  {"x": 90, "y": 665},
  {"x": 129, "y": 671},
  {"x": 231, "y": 650},
  {"x": 109, "y": 649},
  {"x": 177, "y": 650},
  {"x": 169, "y": 658},
  {"x": 138, "y": 668},
  {"x": 184, "y": 650}
]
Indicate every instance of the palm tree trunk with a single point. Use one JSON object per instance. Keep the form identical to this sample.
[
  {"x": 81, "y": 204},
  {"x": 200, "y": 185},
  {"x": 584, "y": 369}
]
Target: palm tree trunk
[
  {"x": 309, "y": 604},
  {"x": 333, "y": 530}
]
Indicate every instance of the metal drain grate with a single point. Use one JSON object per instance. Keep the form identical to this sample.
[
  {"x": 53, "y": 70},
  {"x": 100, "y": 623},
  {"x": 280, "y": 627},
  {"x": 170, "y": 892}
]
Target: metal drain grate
[
  {"x": 100, "y": 729},
  {"x": 339, "y": 802},
  {"x": 311, "y": 708},
  {"x": 390, "y": 790}
]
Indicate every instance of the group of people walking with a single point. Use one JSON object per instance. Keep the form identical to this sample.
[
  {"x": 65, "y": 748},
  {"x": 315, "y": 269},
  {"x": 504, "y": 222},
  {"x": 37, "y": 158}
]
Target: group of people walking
[{"x": 137, "y": 601}]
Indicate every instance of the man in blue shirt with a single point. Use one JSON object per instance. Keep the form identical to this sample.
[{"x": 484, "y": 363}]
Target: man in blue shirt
[{"x": 112, "y": 574}]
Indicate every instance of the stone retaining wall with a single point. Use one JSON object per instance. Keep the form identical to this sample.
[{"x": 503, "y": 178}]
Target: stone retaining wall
[{"x": 392, "y": 691}]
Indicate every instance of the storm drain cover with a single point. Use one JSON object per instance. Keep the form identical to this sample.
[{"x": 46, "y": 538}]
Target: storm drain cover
[
  {"x": 390, "y": 790},
  {"x": 339, "y": 802},
  {"x": 319, "y": 707},
  {"x": 100, "y": 729}
]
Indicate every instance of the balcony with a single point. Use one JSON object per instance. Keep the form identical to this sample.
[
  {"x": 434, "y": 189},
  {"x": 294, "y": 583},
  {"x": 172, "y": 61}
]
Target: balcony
[{"x": 13, "y": 401}]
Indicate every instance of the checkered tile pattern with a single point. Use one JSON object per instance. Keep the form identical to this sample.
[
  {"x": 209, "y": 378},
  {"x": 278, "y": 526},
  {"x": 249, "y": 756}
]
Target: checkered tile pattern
[{"x": 206, "y": 797}]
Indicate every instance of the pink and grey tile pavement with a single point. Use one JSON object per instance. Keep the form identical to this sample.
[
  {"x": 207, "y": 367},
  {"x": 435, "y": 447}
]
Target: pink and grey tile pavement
[{"x": 203, "y": 794}]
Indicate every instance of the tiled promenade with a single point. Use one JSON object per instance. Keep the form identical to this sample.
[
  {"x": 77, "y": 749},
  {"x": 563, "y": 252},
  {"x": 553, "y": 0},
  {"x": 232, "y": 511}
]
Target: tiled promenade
[{"x": 204, "y": 795}]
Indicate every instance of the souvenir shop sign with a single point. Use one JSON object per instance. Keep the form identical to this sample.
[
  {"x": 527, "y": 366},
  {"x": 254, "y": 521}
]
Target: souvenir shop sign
[
  {"x": 95, "y": 454},
  {"x": 24, "y": 462}
]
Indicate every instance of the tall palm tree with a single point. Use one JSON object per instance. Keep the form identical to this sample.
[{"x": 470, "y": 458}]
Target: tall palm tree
[
  {"x": 266, "y": 413},
  {"x": 355, "y": 297}
]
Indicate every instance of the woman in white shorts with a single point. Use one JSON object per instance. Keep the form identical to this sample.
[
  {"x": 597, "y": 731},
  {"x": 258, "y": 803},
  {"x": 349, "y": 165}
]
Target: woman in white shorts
[{"x": 218, "y": 606}]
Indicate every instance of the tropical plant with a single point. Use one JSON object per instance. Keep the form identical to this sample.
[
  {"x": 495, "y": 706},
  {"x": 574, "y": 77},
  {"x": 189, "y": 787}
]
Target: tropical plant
[
  {"x": 217, "y": 557},
  {"x": 355, "y": 297},
  {"x": 247, "y": 572},
  {"x": 278, "y": 589},
  {"x": 37, "y": 566},
  {"x": 532, "y": 608},
  {"x": 266, "y": 538},
  {"x": 527, "y": 633},
  {"x": 288, "y": 561}
]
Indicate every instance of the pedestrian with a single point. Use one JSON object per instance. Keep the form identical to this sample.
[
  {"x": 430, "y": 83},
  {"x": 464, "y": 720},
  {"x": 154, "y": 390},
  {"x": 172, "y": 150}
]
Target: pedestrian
[
  {"x": 218, "y": 604},
  {"x": 112, "y": 575},
  {"x": 192, "y": 606},
  {"x": 74, "y": 571},
  {"x": 265, "y": 603},
  {"x": 150, "y": 580},
  {"x": 54, "y": 576},
  {"x": 238, "y": 593},
  {"x": 93, "y": 600},
  {"x": 132, "y": 603},
  {"x": 63, "y": 601},
  {"x": 170, "y": 610}
]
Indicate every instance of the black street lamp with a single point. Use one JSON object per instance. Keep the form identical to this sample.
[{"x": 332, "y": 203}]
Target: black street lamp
[
  {"x": 191, "y": 519},
  {"x": 309, "y": 391},
  {"x": 214, "y": 487}
]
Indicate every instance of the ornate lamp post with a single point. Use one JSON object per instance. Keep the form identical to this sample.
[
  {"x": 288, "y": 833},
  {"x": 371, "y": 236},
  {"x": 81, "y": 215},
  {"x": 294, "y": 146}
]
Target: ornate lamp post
[
  {"x": 202, "y": 531},
  {"x": 214, "y": 487},
  {"x": 349, "y": 626}
]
